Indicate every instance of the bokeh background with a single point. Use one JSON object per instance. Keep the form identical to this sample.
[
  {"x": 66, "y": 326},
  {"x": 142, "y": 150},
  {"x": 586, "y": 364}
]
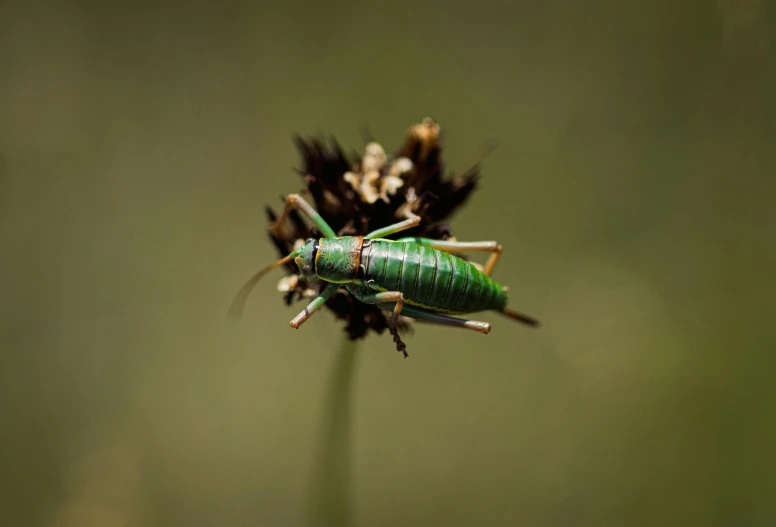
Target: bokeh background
[{"x": 633, "y": 189}]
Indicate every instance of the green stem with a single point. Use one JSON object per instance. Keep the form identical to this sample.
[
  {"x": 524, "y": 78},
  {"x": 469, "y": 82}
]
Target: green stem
[{"x": 331, "y": 487}]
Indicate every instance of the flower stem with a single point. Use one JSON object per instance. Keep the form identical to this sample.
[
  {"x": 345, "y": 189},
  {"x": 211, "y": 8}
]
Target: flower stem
[{"x": 330, "y": 499}]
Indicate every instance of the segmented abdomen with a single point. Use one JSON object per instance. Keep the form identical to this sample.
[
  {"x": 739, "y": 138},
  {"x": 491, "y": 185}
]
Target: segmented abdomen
[{"x": 429, "y": 278}]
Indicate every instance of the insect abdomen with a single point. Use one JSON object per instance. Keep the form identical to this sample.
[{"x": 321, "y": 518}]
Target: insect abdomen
[{"x": 430, "y": 278}]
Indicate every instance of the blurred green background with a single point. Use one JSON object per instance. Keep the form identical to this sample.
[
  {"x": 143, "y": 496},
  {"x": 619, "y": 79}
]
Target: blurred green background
[{"x": 633, "y": 190}]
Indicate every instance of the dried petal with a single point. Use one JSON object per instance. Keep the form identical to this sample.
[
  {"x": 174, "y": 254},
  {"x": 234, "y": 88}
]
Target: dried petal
[
  {"x": 374, "y": 159},
  {"x": 287, "y": 283},
  {"x": 389, "y": 185},
  {"x": 401, "y": 166},
  {"x": 354, "y": 180},
  {"x": 369, "y": 189}
]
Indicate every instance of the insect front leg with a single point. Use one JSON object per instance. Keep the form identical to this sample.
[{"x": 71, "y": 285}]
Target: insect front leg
[
  {"x": 296, "y": 201},
  {"x": 314, "y": 306},
  {"x": 453, "y": 247},
  {"x": 388, "y": 297},
  {"x": 446, "y": 320}
]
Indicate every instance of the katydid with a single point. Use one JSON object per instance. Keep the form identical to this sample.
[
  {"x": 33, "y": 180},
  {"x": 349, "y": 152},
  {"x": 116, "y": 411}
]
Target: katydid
[{"x": 418, "y": 278}]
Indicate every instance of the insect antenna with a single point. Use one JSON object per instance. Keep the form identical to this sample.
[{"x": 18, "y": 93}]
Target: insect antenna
[
  {"x": 520, "y": 317},
  {"x": 238, "y": 304}
]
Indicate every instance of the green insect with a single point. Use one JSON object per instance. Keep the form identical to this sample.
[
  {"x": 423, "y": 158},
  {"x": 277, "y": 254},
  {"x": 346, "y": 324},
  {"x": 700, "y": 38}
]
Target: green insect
[{"x": 418, "y": 278}]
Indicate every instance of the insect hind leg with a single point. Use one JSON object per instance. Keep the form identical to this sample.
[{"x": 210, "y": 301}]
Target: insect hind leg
[
  {"x": 389, "y": 297},
  {"x": 457, "y": 247},
  {"x": 446, "y": 320}
]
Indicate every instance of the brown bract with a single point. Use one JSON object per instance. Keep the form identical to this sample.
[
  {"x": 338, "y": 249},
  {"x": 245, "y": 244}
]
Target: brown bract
[{"x": 360, "y": 193}]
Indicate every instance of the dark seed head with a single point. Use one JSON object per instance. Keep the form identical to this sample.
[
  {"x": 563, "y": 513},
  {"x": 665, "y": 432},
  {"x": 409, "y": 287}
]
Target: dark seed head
[{"x": 359, "y": 193}]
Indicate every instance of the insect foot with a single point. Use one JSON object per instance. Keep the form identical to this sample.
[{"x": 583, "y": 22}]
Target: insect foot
[
  {"x": 482, "y": 327},
  {"x": 400, "y": 346}
]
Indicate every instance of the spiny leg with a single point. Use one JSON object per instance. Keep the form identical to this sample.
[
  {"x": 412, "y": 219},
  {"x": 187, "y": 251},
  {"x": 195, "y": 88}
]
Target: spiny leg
[
  {"x": 492, "y": 247},
  {"x": 413, "y": 220},
  {"x": 445, "y": 320},
  {"x": 296, "y": 201},
  {"x": 314, "y": 306},
  {"x": 388, "y": 297}
]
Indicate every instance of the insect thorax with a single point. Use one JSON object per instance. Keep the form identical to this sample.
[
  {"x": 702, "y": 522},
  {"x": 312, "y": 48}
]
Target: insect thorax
[{"x": 338, "y": 259}]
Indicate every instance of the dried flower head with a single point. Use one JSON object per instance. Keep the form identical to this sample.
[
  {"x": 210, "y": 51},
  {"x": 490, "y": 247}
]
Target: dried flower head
[{"x": 360, "y": 193}]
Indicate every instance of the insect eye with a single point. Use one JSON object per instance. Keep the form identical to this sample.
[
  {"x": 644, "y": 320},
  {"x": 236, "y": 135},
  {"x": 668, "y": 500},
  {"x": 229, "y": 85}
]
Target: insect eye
[{"x": 310, "y": 240}]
